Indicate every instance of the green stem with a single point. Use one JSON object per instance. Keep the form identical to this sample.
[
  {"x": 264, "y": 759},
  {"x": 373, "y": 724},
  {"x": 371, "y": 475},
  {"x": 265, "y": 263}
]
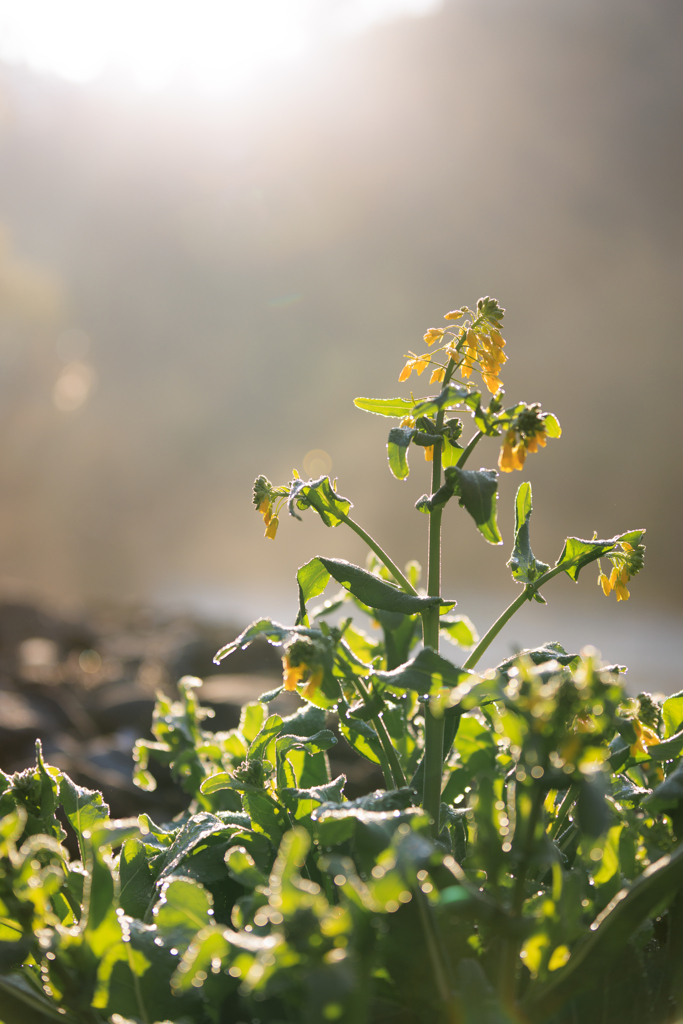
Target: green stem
[
  {"x": 434, "y": 948},
  {"x": 526, "y": 595},
  {"x": 495, "y": 629},
  {"x": 434, "y": 727},
  {"x": 403, "y": 583},
  {"x": 563, "y": 810},
  {"x": 393, "y": 772},
  {"x": 470, "y": 448}
]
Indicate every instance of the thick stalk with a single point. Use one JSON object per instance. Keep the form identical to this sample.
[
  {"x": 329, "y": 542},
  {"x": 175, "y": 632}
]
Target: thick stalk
[
  {"x": 403, "y": 583},
  {"x": 434, "y": 948},
  {"x": 434, "y": 727}
]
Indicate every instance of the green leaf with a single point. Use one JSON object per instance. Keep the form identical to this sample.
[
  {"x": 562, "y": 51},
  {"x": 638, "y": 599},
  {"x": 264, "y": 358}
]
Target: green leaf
[
  {"x": 451, "y": 396},
  {"x": 668, "y": 749},
  {"x": 477, "y": 490},
  {"x": 251, "y": 720},
  {"x": 550, "y": 651},
  {"x": 427, "y": 672},
  {"x": 397, "y": 450},
  {"x": 672, "y": 710},
  {"x": 137, "y": 884},
  {"x": 459, "y": 629},
  {"x": 593, "y": 813},
  {"x": 242, "y": 868},
  {"x": 398, "y": 407},
  {"x": 525, "y": 568},
  {"x": 271, "y": 728},
  {"x": 375, "y": 592},
  {"x": 668, "y": 794},
  {"x": 578, "y": 553},
  {"x": 199, "y": 827},
  {"x": 312, "y": 579},
  {"x": 478, "y": 997},
  {"x": 266, "y": 816},
  {"x": 321, "y": 496},
  {"x": 221, "y": 780},
  {"x": 182, "y": 910},
  {"x": 450, "y": 453},
  {"x": 15, "y": 987},
  {"x": 302, "y": 802},
  {"x": 608, "y": 935},
  {"x": 84, "y": 808},
  {"x": 272, "y": 631},
  {"x": 552, "y": 425},
  {"x": 361, "y": 736}
]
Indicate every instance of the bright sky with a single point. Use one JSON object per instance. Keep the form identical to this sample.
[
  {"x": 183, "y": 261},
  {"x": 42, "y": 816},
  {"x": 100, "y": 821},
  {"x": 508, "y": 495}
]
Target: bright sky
[{"x": 214, "y": 46}]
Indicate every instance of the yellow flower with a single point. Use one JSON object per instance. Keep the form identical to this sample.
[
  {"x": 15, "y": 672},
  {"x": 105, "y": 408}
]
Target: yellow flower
[
  {"x": 438, "y": 375},
  {"x": 417, "y": 363},
  {"x": 506, "y": 461},
  {"x": 292, "y": 674},
  {"x": 429, "y": 453},
  {"x": 271, "y": 527},
  {"x": 434, "y": 334},
  {"x": 645, "y": 737},
  {"x": 455, "y": 314},
  {"x": 313, "y": 684},
  {"x": 525, "y": 434},
  {"x": 604, "y": 582}
]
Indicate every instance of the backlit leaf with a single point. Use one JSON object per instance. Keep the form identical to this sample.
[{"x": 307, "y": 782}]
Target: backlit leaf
[
  {"x": 477, "y": 490},
  {"x": 525, "y": 568},
  {"x": 398, "y": 407}
]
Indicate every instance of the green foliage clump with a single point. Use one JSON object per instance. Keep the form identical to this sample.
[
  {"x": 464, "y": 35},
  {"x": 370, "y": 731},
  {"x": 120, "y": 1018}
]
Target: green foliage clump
[{"x": 523, "y": 862}]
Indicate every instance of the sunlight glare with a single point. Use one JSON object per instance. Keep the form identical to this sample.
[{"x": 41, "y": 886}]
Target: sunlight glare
[{"x": 215, "y": 46}]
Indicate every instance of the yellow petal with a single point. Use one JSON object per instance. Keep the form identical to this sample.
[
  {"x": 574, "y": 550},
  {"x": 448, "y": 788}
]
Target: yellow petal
[
  {"x": 438, "y": 375},
  {"x": 434, "y": 334},
  {"x": 622, "y": 593},
  {"x": 406, "y": 371},
  {"x": 454, "y": 314},
  {"x": 271, "y": 529},
  {"x": 605, "y": 584},
  {"x": 421, "y": 364},
  {"x": 264, "y": 506},
  {"x": 505, "y": 460},
  {"x": 292, "y": 676},
  {"x": 492, "y": 383},
  {"x": 429, "y": 453},
  {"x": 532, "y": 445},
  {"x": 312, "y": 684},
  {"x": 519, "y": 455},
  {"x": 613, "y": 578}
]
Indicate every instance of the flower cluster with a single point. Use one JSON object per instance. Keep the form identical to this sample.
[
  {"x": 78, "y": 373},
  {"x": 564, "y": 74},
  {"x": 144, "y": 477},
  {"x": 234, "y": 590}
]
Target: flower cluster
[
  {"x": 625, "y": 563},
  {"x": 304, "y": 659},
  {"x": 524, "y": 434},
  {"x": 477, "y": 344},
  {"x": 269, "y": 500}
]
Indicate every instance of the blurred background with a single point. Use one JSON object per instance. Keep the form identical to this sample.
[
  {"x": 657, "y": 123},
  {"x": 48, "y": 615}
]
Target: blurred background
[{"x": 222, "y": 222}]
